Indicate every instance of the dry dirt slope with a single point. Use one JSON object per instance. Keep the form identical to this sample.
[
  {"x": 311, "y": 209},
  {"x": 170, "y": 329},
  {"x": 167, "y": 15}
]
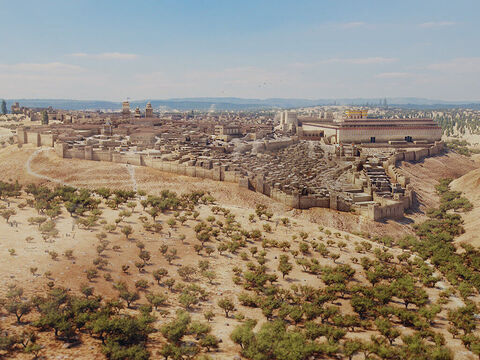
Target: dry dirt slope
[
  {"x": 16, "y": 267},
  {"x": 424, "y": 175},
  {"x": 70, "y": 273},
  {"x": 469, "y": 185}
]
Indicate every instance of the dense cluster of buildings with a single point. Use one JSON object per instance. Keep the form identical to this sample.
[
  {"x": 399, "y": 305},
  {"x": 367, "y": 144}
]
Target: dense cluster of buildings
[{"x": 314, "y": 160}]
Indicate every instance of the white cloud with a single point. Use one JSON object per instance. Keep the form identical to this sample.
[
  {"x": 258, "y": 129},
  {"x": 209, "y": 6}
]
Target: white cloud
[
  {"x": 433, "y": 24},
  {"x": 394, "y": 75},
  {"x": 352, "y": 25},
  {"x": 106, "y": 56},
  {"x": 49, "y": 80},
  {"x": 458, "y": 65},
  {"x": 79, "y": 54},
  {"x": 362, "y": 61},
  {"x": 376, "y": 60},
  {"x": 53, "y": 67}
]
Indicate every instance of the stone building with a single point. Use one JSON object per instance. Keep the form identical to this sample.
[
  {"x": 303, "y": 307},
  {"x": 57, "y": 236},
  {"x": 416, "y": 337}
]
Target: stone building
[
  {"x": 288, "y": 120},
  {"x": 125, "y": 108},
  {"x": 138, "y": 114},
  {"x": 226, "y": 132},
  {"x": 143, "y": 138},
  {"x": 355, "y": 127},
  {"x": 148, "y": 110}
]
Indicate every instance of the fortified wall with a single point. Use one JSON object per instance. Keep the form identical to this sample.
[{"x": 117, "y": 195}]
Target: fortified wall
[
  {"x": 35, "y": 138},
  {"x": 414, "y": 155},
  {"x": 382, "y": 208},
  {"x": 294, "y": 200},
  {"x": 206, "y": 170},
  {"x": 387, "y": 208},
  {"x": 395, "y": 208}
]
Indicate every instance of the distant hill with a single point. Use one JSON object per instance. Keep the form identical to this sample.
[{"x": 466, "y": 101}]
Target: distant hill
[{"x": 237, "y": 104}]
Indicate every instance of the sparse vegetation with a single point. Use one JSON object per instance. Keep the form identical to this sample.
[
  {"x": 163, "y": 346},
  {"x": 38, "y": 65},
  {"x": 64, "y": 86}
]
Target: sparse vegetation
[{"x": 389, "y": 289}]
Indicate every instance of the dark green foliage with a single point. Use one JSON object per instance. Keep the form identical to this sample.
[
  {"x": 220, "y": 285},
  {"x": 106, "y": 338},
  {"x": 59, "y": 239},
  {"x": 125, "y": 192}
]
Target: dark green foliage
[
  {"x": 226, "y": 305},
  {"x": 405, "y": 289},
  {"x": 463, "y": 318},
  {"x": 181, "y": 326},
  {"x": 129, "y": 296},
  {"x": 18, "y": 307},
  {"x": 273, "y": 342},
  {"x": 4, "y": 107},
  {"x": 7, "y": 341}
]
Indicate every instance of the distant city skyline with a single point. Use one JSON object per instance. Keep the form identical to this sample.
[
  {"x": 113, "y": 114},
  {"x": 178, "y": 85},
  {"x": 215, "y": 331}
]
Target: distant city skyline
[{"x": 113, "y": 50}]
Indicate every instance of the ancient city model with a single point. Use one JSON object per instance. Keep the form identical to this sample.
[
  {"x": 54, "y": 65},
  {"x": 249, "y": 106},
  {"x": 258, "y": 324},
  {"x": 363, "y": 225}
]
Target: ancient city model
[{"x": 337, "y": 158}]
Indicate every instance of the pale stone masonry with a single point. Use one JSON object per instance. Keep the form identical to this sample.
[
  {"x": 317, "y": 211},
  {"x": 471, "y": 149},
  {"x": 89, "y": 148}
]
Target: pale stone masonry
[{"x": 356, "y": 128}]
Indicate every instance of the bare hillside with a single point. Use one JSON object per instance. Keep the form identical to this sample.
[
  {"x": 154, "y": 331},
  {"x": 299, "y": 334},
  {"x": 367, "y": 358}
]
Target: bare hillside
[
  {"x": 469, "y": 185},
  {"x": 424, "y": 175}
]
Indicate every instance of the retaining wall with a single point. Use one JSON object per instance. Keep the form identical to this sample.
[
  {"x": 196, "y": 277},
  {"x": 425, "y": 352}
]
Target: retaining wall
[{"x": 21, "y": 136}]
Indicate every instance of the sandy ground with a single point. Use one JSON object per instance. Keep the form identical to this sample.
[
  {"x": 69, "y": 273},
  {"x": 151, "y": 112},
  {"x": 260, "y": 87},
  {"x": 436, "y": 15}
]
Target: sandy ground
[
  {"x": 466, "y": 172},
  {"x": 469, "y": 185},
  {"x": 424, "y": 175},
  {"x": 13, "y": 163},
  {"x": 71, "y": 273}
]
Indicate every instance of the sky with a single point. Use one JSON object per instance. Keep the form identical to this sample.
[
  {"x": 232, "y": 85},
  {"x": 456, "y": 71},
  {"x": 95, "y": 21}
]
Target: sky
[{"x": 314, "y": 49}]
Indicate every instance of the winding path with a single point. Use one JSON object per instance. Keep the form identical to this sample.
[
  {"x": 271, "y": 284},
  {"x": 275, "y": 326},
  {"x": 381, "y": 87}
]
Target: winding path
[
  {"x": 131, "y": 171},
  {"x": 41, "y": 176}
]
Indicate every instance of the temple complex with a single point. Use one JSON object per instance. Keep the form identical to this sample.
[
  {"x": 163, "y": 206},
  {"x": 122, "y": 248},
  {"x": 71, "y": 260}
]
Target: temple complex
[{"x": 355, "y": 127}]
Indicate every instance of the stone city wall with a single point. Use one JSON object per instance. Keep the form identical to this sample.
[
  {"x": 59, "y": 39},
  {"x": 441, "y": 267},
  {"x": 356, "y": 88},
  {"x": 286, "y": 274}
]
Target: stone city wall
[
  {"x": 392, "y": 211},
  {"x": 75, "y": 154},
  {"x": 416, "y": 155},
  {"x": 377, "y": 212},
  {"x": 132, "y": 159},
  {"x": 33, "y": 138},
  {"x": 385, "y": 209},
  {"x": 217, "y": 173},
  {"x": 38, "y": 139},
  {"x": 21, "y": 136},
  {"x": 47, "y": 140},
  {"x": 102, "y": 155},
  {"x": 395, "y": 208},
  {"x": 390, "y": 165}
]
